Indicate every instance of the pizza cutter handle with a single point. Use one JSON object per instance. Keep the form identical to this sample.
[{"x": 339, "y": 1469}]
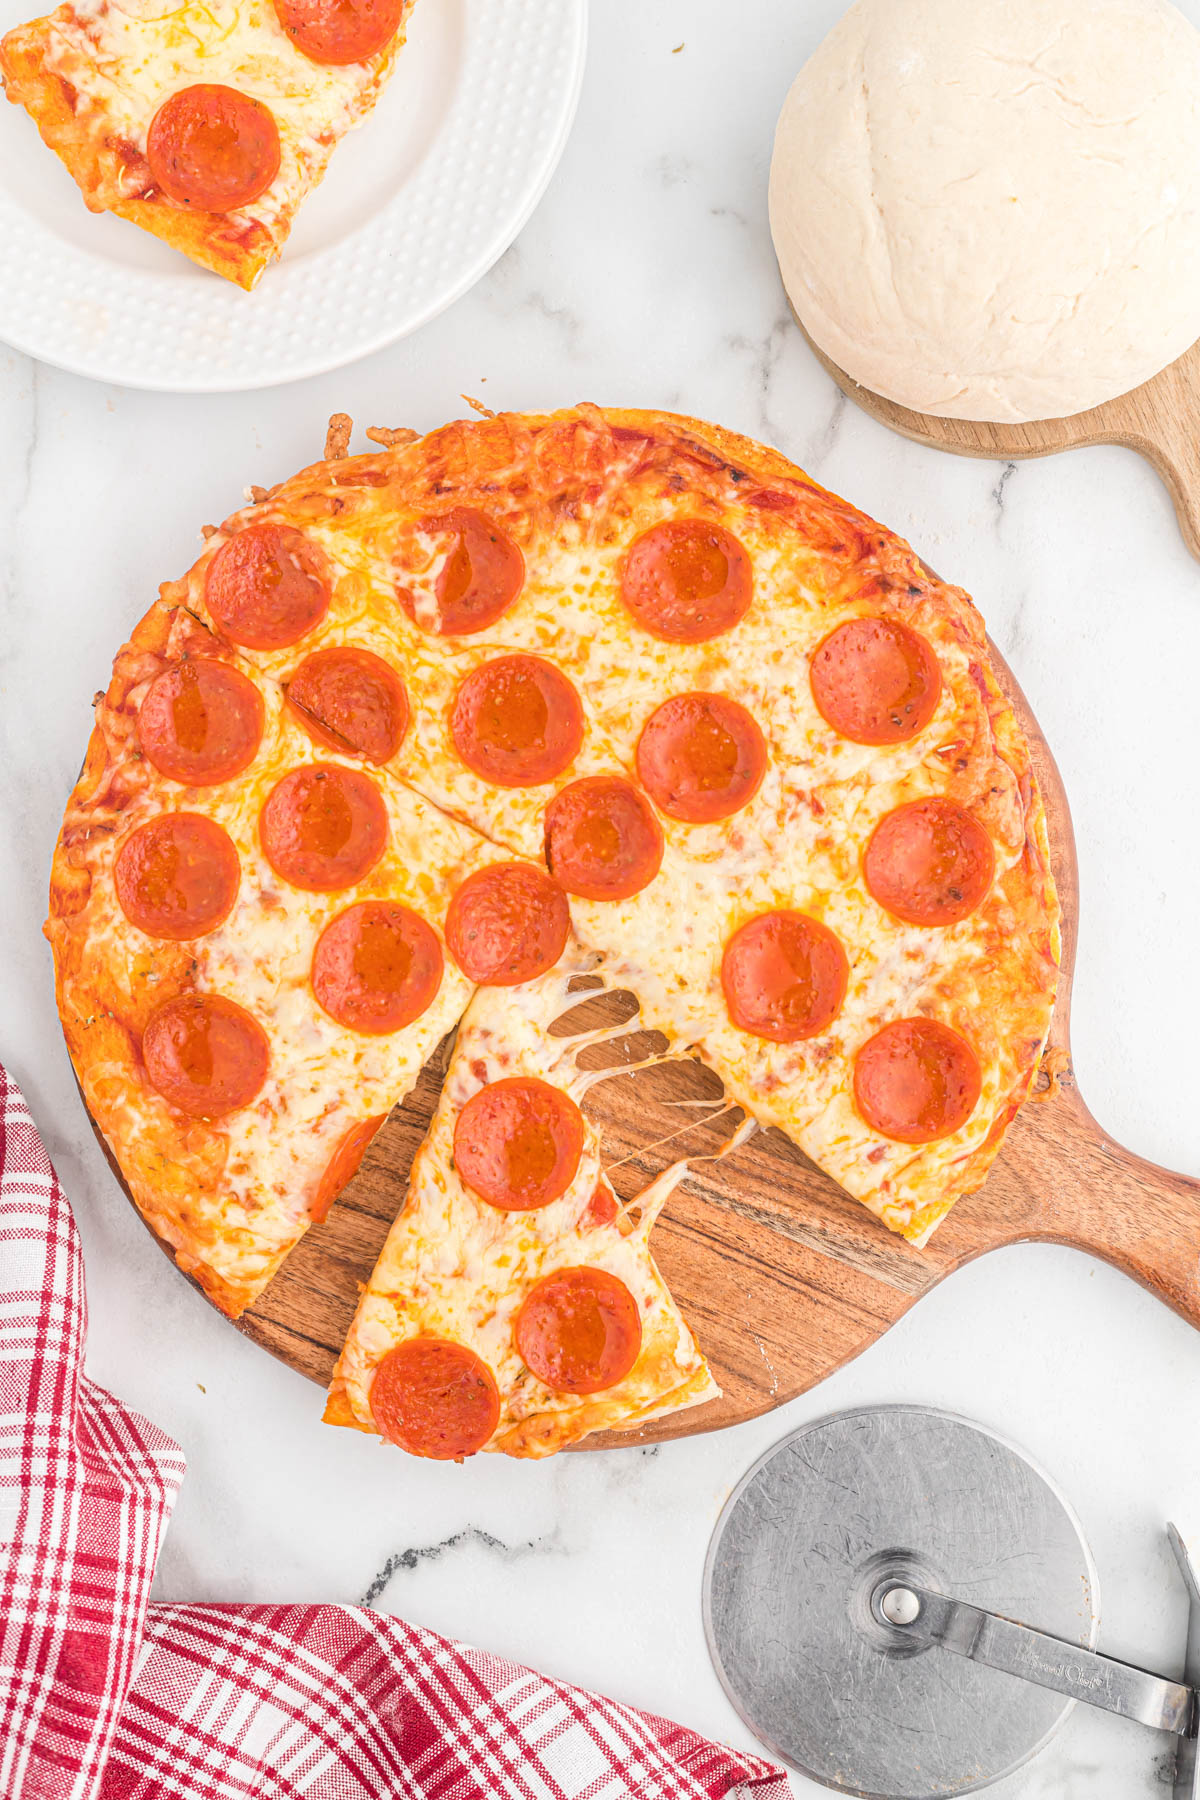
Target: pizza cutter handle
[
  {"x": 1187, "y": 1761},
  {"x": 916, "y": 1614}
]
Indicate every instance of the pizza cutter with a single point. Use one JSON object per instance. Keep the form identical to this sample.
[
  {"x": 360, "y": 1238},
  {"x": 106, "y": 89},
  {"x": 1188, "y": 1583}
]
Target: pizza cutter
[{"x": 900, "y": 1604}]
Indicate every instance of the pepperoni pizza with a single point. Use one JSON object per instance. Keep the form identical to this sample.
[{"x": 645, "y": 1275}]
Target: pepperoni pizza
[
  {"x": 429, "y": 721},
  {"x": 206, "y": 122}
]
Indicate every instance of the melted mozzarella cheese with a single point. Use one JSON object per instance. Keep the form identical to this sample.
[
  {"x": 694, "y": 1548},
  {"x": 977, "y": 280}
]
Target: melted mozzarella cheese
[{"x": 574, "y": 496}]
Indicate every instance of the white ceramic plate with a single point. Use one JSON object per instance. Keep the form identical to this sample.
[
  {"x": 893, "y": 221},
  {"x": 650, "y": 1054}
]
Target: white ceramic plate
[{"x": 417, "y": 205}]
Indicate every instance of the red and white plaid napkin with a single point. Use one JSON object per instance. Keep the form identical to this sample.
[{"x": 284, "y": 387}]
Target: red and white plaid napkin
[{"x": 102, "y": 1694}]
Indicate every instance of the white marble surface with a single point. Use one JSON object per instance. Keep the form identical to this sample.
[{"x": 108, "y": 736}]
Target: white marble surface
[{"x": 646, "y": 277}]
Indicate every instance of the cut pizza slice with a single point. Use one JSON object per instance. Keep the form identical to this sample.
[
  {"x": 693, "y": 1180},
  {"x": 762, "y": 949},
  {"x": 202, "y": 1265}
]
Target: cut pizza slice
[
  {"x": 516, "y": 1305},
  {"x": 253, "y": 952},
  {"x": 206, "y": 122}
]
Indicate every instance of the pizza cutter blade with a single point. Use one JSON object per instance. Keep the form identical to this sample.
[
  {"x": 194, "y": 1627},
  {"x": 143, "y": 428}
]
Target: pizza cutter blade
[{"x": 868, "y": 1598}]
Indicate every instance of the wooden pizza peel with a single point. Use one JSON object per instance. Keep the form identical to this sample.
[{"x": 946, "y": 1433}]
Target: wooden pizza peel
[
  {"x": 1160, "y": 420},
  {"x": 783, "y": 1277}
]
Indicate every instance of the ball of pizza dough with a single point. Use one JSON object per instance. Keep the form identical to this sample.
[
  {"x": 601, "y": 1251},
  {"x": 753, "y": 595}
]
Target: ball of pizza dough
[{"x": 990, "y": 209}]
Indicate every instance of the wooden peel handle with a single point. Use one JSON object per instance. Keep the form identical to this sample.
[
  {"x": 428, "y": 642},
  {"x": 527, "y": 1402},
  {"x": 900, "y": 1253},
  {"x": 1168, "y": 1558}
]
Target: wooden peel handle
[
  {"x": 1089, "y": 1192},
  {"x": 1162, "y": 420},
  {"x": 1175, "y": 453}
]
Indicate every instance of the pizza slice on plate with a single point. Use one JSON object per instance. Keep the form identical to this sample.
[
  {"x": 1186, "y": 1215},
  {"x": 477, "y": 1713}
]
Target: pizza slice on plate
[
  {"x": 258, "y": 944},
  {"x": 516, "y": 1305},
  {"x": 206, "y": 122}
]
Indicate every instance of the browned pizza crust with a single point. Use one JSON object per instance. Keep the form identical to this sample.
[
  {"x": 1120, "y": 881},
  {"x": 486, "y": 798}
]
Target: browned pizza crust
[{"x": 103, "y": 1001}]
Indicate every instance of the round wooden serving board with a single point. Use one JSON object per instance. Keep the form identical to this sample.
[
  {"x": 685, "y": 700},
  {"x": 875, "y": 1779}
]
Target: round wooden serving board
[
  {"x": 782, "y": 1276},
  {"x": 1160, "y": 420}
]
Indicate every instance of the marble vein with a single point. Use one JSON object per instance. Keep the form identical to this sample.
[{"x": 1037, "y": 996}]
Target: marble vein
[
  {"x": 999, "y": 492},
  {"x": 472, "y": 1536}
]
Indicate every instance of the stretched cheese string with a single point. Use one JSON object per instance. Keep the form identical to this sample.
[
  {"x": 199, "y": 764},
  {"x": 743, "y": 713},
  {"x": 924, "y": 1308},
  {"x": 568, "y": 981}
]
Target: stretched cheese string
[
  {"x": 700, "y": 1156},
  {"x": 578, "y": 978},
  {"x": 649, "y": 1203}
]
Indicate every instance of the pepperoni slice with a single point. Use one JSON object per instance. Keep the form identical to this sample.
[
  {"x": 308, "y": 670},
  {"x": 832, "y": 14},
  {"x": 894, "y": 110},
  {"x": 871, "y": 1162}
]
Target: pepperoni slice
[
  {"x": 267, "y": 586},
  {"x": 929, "y": 863},
  {"x": 507, "y": 923},
  {"x": 205, "y": 1054},
  {"x": 342, "y": 1166},
  {"x": 340, "y": 31},
  {"x": 323, "y": 827},
  {"x": 517, "y": 1143},
  {"x": 482, "y": 575},
  {"x": 517, "y": 721},
  {"x": 687, "y": 581},
  {"x": 213, "y": 148},
  {"x": 201, "y": 722},
  {"x": 435, "y": 1398},
  {"x": 784, "y": 976},
  {"x": 701, "y": 757},
  {"x": 876, "y": 681},
  {"x": 603, "y": 841},
  {"x": 579, "y": 1331},
  {"x": 916, "y": 1081},
  {"x": 178, "y": 876},
  {"x": 377, "y": 967},
  {"x": 350, "y": 699}
]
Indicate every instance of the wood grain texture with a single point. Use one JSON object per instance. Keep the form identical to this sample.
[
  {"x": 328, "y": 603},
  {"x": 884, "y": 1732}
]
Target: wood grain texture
[
  {"x": 1160, "y": 420},
  {"x": 782, "y": 1275}
]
